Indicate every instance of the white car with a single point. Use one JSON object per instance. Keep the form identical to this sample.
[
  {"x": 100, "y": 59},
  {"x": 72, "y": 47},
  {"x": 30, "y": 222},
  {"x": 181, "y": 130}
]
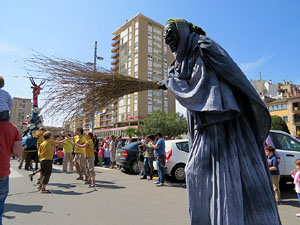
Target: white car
[
  {"x": 177, "y": 152},
  {"x": 288, "y": 148}
]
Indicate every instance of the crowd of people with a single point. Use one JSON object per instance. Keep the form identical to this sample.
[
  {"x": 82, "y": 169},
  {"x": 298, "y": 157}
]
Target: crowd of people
[{"x": 85, "y": 151}]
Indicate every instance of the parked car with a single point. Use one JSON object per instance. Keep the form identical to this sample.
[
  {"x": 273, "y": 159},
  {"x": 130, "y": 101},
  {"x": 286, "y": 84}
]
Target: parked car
[
  {"x": 127, "y": 157},
  {"x": 177, "y": 152},
  {"x": 289, "y": 149}
]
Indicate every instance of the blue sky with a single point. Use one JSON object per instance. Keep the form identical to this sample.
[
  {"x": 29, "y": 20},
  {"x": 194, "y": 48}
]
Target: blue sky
[{"x": 261, "y": 36}]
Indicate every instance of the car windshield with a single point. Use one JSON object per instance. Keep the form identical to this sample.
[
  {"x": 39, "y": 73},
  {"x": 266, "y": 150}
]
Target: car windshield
[
  {"x": 132, "y": 145},
  {"x": 283, "y": 141}
]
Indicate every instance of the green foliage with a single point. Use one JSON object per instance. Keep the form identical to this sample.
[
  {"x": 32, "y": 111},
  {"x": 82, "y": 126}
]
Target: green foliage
[
  {"x": 169, "y": 125},
  {"x": 277, "y": 123},
  {"x": 130, "y": 131}
]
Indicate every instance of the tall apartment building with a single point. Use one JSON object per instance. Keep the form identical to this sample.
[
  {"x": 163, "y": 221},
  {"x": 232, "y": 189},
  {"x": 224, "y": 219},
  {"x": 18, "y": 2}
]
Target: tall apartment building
[
  {"x": 21, "y": 108},
  {"x": 138, "y": 51}
]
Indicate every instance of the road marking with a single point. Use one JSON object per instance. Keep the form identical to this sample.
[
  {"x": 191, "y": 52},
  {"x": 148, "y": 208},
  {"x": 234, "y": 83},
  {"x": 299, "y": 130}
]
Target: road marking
[{"x": 14, "y": 173}]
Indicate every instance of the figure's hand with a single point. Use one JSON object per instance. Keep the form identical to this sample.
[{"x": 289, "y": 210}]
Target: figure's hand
[
  {"x": 293, "y": 172},
  {"x": 162, "y": 85}
]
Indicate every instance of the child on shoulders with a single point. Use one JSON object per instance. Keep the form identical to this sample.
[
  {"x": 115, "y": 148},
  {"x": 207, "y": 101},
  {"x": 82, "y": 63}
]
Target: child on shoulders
[{"x": 6, "y": 102}]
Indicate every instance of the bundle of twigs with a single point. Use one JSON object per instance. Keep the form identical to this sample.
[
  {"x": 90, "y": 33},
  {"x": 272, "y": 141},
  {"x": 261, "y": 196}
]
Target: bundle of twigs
[{"x": 74, "y": 87}]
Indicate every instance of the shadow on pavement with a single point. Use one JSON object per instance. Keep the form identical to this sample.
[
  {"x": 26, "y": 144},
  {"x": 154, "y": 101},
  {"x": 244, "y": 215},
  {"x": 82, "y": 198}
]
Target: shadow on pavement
[
  {"x": 107, "y": 184},
  {"x": 9, "y": 207},
  {"x": 288, "y": 195},
  {"x": 60, "y": 192},
  {"x": 66, "y": 186}
]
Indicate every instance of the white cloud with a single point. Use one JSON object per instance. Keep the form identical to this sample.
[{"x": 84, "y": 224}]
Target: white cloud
[
  {"x": 11, "y": 49},
  {"x": 253, "y": 65}
]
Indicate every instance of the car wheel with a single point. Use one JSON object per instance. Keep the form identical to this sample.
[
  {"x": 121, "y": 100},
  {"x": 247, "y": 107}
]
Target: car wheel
[
  {"x": 134, "y": 167},
  {"x": 178, "y": 172}
]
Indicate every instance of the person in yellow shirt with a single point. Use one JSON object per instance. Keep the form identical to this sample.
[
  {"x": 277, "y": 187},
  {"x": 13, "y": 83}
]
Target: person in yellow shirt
[
  {"x": 68, "y": 150},
  {"x": 40, "y": 134},
  {"x": 90, "y": 158},
  {"x": 46, "y": 157},
  {"x": 79, "y": 159}
]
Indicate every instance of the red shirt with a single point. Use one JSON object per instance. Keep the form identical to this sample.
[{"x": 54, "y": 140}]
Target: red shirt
[{"x": 8, "y": 135}]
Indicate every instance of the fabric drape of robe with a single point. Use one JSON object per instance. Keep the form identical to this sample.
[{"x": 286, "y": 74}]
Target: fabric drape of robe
[{"x": 228, "y": 180}]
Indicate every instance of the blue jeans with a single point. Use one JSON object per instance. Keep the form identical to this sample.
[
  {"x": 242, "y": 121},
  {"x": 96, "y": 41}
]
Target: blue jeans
[
  {"x": 107, "y": 161},
  {"x": 3, "y": 195},
  {"x": 148, "y": 162},
  {"x": 298, "y": 196},
  {"x": 160, "y": 164}
]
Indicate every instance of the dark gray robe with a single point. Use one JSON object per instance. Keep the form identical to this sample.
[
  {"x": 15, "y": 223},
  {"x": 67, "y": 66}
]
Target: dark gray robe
[{"x": 227, "y": 175}]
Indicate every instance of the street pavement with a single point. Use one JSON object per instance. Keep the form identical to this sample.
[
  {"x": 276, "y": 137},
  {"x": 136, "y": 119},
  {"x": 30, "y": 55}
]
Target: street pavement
[{"x": 117, "y": 199}]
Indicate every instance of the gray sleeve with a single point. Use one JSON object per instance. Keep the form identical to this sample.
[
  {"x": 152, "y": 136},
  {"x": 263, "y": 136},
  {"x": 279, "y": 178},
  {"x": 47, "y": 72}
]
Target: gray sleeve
[{"x": 9, "y": 101}]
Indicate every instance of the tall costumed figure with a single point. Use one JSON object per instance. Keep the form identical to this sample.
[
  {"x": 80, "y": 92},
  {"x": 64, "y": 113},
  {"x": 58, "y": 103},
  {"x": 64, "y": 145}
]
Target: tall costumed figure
[
  {"x": 34, "y": 122},
  {"x": 228, "y": 179}
]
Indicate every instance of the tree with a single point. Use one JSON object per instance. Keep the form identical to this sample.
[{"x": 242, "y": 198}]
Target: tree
[
  {"x": 277, "y": 123},
  {"x": 130, "y": 131},
  {"x": 169, "y": 125}
]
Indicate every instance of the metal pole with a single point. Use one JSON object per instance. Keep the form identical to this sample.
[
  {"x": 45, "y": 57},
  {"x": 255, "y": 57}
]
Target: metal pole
[
  {"x": 95, "y": 70},
  {"x": 95, "y": 56}
]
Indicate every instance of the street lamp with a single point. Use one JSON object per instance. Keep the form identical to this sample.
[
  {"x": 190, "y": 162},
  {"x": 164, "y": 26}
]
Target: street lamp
[{"x": 95, "y": 70}]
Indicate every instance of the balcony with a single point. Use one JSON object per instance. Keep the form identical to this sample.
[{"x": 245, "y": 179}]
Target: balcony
[
  {"x": 115, "y": 55},
  {"x": 115, "y": 38},
  {"x": 115, "y": 50},
  {"x": 115, "y": 44},
  {"x": 115, "y": 62},
  {"x": 115, "y": 69}
]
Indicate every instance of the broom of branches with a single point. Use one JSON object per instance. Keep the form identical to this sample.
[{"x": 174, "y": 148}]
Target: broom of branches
[{"x": 73, "y": 87}]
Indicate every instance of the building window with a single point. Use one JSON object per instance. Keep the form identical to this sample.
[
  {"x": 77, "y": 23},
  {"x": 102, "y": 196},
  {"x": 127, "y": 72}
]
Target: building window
[
  {"x": 277, "y": 107},
  {"x": 149, "y": 42},
  {"x": 149, "y": 49},
  {"x": 150, "y": 93},
  {"x": 285, "y": 118},
  {"x": 297, "y": 118},
  {"x": 149, "y": 108},
  {"x": 157, "y": 31},
  {"x": 296, "y": 106}
]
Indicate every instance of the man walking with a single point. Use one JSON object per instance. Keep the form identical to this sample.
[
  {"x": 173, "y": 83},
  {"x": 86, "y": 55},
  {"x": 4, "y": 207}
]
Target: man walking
[
  {"x": 160, "y": 155},
  {"x": 10, "y": 144}
]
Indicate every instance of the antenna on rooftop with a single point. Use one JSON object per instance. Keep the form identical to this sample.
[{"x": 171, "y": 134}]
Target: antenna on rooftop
[{"x": 260, "y": 76}]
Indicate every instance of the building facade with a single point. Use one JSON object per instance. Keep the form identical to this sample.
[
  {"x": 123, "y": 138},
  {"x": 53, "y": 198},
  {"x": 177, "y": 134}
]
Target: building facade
[
  {"x": 138, "y": 50},
  {"x": 266, "y": 89},
  {"x": 21, "y": 108},
  {"x": 288, "y": 108}
]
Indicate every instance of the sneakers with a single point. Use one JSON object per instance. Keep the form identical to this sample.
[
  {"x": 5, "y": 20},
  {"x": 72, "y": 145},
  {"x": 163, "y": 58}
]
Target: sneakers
[
  {"x": 79, "y": 178},
  {"x": 92, "y": 184},
  {"x": 298, "y": 214},
  {"x": 143, "y": 177},
  {"x": 160, "y": 184},
  {"x": 157, "y": 182}
]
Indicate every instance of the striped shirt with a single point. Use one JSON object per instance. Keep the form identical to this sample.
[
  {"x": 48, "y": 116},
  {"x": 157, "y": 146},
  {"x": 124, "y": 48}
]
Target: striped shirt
[{"x": 6, "y": 102}]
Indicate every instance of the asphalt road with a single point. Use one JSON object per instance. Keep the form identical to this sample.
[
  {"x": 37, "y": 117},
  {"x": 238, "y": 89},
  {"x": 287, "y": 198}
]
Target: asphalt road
[{"x": 117, "y": 199}]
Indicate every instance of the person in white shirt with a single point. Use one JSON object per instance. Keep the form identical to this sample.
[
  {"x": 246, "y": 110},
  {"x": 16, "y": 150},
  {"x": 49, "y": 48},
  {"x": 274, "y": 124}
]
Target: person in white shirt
[{"x": 6, "y": 102}]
